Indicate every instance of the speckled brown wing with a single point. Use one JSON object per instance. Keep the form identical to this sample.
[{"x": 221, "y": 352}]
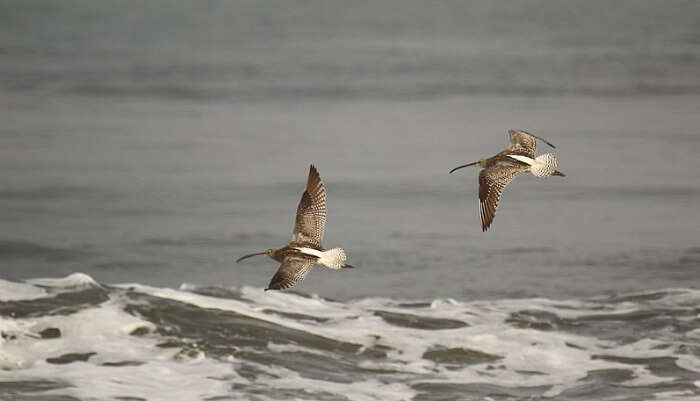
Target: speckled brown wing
[
  {"x": 492, "y": 180},
  {"x": 311, "y": 213},
  {"x": 293, "y": 269},
  {"x": 521, "y": 143}
]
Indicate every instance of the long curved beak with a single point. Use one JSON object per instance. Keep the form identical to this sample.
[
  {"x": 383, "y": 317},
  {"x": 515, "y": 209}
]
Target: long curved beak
[
  {"x": 559, "y": 173},
  {"x": 462, "y": 166},
  {"x": 347, "y": 266},
  {"x": 249, "y": 256}
]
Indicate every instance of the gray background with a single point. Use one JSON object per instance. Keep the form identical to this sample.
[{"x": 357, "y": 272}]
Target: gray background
[{"x": 158, "y": 142}]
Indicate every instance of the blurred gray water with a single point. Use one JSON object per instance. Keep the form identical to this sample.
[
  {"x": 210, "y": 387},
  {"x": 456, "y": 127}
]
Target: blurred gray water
[{"x": 157, "y": 143}]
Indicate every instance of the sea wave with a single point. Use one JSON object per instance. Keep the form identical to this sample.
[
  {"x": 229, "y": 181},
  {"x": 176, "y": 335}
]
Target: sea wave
[{"x": 195, "y": 342}]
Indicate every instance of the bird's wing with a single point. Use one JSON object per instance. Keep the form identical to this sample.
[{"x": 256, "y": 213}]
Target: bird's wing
[
  {"x": 492, "y": 180},
  {"x": 293, "y": 269},
  {"x": 523, "y": 143},
  {"x": 311, "y": 213}
]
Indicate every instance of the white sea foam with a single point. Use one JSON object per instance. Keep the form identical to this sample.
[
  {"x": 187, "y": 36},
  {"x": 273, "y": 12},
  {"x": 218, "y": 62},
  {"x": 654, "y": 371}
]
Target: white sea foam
[
  {"x": 688, "y": 362},
  {"x": 44, "y": 287},
  {"x": 11, "y": 291},
  {"x": 560, "y": 359},
  {"x": 71, "y": 281},
  {"x": 676, "y": 396},
  {"x": 516, "y": 355},
  {"x": 105, "y": 330},
  {"x": 99, "y": 329},
  {"x": 365, "y": 390}
]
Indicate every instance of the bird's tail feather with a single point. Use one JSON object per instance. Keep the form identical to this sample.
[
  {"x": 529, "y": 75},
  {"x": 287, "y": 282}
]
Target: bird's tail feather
[
  {"x": 544, "y": 165},
  {"x": 334, "y": 258}
]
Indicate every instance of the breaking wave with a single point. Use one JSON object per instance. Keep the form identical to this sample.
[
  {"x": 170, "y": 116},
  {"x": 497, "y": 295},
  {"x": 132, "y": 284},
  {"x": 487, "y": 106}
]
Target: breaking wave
[{"x": 133, "y": 341}]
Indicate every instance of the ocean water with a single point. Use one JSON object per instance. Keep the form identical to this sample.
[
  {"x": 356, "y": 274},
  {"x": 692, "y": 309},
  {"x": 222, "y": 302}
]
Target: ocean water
[
  {"x": 143, "y": 149},
  {"x": 72, "y": 338}
]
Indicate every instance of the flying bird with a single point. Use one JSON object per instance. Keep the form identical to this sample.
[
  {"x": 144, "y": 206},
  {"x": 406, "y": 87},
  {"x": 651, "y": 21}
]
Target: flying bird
[
  {"x": 305, "y": 250},
  {"x": 499, "y": 170}
]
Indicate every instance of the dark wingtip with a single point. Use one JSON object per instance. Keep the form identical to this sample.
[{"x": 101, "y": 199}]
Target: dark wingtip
[
  {"x": 545, "y": 141},
  {"x": 314, "y": 178},
  {"x": 313, "y": 170},
  {"x": 512, "y": 131}
]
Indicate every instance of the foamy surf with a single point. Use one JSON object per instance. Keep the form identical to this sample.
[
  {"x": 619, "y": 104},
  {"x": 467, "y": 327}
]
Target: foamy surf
[{"x": 75, "y": 338}]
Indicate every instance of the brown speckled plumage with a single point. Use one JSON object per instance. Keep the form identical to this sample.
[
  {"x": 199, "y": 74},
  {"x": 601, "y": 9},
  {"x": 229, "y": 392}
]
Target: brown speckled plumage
[
  {"x": 499, "y": 170},
  {"x": 307, "y": 234}
]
